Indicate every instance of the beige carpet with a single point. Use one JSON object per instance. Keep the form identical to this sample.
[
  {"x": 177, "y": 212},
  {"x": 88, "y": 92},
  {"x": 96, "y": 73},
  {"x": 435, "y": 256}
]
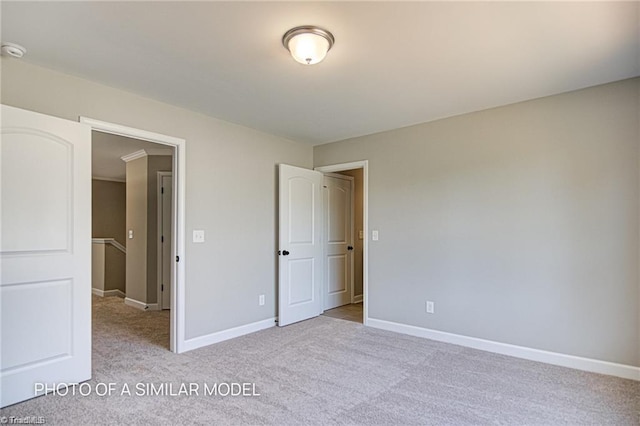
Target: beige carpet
[{"x": 326, "y": 371}]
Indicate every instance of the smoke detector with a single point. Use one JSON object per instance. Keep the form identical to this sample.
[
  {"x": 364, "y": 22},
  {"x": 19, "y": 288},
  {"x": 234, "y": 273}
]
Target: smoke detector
[{"x": 12, "y": 49}]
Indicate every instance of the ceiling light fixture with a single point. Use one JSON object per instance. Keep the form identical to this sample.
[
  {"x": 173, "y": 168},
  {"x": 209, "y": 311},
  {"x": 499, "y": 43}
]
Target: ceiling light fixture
[
  {"x": 308, "y": 44},
  {"x": 12, "y": 49}
]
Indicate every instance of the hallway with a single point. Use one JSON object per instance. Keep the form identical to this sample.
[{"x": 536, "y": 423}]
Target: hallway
[{"x": 352, "y": 312}]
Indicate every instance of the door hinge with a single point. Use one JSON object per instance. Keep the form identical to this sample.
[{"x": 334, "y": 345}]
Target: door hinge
[
  {"x": 162, "y": 239},
  {"x": 162, "y": 190},
  {"x": 177, "y": 258},
  {"x": 161, "y": 287}
]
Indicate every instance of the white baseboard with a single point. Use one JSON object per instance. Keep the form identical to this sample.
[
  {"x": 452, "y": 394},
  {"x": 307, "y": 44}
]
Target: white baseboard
[
  {"x": 564, "y": 360},
  {"x": 141, "y": 305},
  {"x": 107, "y": 293},
  {"x": 357, "y": 299},
  {"x": 209, "y": 339}
]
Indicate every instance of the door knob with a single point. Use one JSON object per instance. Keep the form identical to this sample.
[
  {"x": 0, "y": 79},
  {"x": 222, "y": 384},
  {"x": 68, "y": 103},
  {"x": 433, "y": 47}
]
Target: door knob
[
  {"x": 285, "y": 253},
  {"x": 350, "y": 248}
]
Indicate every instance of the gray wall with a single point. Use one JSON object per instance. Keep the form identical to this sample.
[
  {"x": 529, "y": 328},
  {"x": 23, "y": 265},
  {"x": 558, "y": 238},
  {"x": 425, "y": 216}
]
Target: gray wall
[
  {"x": 115, "y": 271},
  {"x": 137, "y": 201},
  {"x": 231, "y": 187},
  {"x": 108, "y": 211},
  {"x": 358, "y": 244},
  {"x": 108, "y": 207},
  {"x": 520, "y": 222},
  {"x": 142, "y": 218}
]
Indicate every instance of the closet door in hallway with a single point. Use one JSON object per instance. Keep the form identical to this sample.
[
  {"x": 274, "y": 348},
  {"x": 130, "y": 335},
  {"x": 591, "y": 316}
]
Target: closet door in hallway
[
  {"x": 165, "y": 180},
  {"x": 338, "y": 230}
]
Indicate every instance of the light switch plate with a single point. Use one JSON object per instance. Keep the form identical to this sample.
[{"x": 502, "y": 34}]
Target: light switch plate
[
  {"x": 198, "y": 235},
  {"x": 374, "y": 235}
]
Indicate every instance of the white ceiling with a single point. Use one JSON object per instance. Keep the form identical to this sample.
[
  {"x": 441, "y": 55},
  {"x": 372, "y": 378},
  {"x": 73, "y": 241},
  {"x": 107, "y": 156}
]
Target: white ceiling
[
  {"x": 107, "y": 150},
  {"x": 394, "y": 64}
]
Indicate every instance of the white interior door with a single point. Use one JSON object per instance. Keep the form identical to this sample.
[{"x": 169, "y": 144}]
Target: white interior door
[
  {"x": 338, "y": 237},
  {"x": 167, "y": 186},
  {"x": 45, "y": 253},
  {"x": 300, "y": 240}
]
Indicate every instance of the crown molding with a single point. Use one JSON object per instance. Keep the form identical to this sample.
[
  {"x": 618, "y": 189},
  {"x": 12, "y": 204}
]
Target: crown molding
[
  {"x": 134, "y": 156},
  {"x": 144, "y": 153}
]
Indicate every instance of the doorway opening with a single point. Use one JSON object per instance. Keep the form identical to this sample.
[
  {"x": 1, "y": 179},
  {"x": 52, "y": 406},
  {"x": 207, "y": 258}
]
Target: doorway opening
[
  {"x": 352, "y": 179},
  {"x": 165, "y": 261}
]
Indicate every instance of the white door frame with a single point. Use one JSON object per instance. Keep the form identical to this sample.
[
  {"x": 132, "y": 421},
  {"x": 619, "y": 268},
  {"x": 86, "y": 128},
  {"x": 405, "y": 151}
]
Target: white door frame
[
  {"x": 364, "y": 165},
  {"x": 177, "y": 314},
  {"x": 160, "y": 259}
]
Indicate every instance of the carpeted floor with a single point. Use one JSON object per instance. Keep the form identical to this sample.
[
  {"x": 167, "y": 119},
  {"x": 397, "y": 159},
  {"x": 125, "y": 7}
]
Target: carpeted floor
[{"x": 323, "y": 371}]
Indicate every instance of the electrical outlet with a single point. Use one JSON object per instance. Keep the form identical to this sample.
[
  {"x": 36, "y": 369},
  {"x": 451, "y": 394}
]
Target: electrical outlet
[
  {"x": 261, "y": 300},
  {"x": 430, "y": 307}
]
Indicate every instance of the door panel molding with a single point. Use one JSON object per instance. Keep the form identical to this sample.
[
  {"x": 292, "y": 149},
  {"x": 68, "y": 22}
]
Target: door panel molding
[
  {"x": 53, "y": 299},
  {"x": 41, "y": 158}
]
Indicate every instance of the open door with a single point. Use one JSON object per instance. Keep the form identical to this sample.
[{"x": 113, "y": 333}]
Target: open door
[
  {"x": 45, "y": 253},
  {"x": 300, "y": 240},
  {"x": 338, "y": 240}
]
